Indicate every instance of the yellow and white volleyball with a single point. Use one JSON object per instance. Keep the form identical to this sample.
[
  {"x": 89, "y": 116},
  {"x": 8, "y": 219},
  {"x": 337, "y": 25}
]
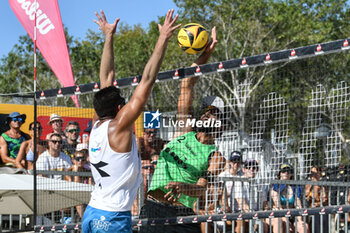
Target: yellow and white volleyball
[{"x": 193, "y": 38}]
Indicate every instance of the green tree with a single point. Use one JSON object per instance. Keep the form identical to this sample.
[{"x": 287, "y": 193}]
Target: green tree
[{"x": 248, "y": 28}]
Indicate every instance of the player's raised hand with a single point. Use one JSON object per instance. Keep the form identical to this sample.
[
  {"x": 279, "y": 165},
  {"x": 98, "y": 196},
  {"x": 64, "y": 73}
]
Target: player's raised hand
[
  {"x": 204, "y": 57},
  {"x": 168, "y": 28},
  {"x": 107, "y": 28},
  {"x": 212, "y": 43}
]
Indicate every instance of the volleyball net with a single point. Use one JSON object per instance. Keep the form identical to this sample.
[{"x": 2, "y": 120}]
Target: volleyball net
[{"x": 287, "y": 107}]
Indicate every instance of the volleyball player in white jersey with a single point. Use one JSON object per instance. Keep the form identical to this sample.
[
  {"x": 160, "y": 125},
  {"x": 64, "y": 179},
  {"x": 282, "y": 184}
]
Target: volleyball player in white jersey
[{"x": 113, "y": 152}]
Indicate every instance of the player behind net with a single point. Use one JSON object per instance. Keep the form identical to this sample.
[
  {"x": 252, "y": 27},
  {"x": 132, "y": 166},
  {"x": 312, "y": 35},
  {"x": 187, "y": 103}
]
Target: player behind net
[{"x": 189, "y": 162}]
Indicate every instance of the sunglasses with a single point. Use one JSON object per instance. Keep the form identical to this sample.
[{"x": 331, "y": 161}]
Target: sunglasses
[
  {"x": 80, "y": 158},
  {"x": 148, "y": 167},
  {"x": 286, "y": 170},
  {"x": 211, "y": 109},
  {"x": 150, "y": 132},
  {"x": 235, "y": 160},
  {"x": 73, "y": 130},
  {"x": 255, "y": 168},
  {"x": 17, "y": 119},
  {"x": 56, "y": 141},
  {"x": 154, "y": 162}
]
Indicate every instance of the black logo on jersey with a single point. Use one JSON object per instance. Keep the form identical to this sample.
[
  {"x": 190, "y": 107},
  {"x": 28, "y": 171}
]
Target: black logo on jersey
[
  {"x": 177, "y": 158},
  {"x": 98, "y": 167}
]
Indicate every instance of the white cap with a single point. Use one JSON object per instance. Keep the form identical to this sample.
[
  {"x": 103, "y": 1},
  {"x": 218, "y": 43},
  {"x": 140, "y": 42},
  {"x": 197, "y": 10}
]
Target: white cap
[
  {"x": 82, "y": 146},
  {"x": 214, "y": 101}
]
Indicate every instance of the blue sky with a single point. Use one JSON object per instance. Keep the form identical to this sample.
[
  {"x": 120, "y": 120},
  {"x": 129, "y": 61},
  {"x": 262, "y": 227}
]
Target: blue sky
[{"x": 78, "y": 16}]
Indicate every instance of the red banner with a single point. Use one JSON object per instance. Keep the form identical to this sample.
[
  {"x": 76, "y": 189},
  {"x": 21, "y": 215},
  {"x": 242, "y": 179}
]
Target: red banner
[{"x": 50, "y": 37}]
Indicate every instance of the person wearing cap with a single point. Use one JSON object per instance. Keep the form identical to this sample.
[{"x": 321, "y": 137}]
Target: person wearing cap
[
  {"x": 86, "y": 133},
  {"x": 286, "y": 196},
  {"x": 246, "y": 195},
  {"x": 190, "y": 161},
  {"x": 11, "y": 140},
  {"x": 114, "y": 157},
  {"x": 232, "y": 169},
  {"x": 89, "y": 126},
  {"x": 25, "y": 157},
  {"x": 56, "y": 123},
  {"x": 85, "y": 140}
]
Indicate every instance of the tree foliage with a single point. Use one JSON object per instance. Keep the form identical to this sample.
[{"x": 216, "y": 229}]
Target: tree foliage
[{"x": 254, "y": 27}]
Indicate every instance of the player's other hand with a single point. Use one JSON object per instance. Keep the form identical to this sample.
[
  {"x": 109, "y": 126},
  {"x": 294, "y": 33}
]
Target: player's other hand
[
  {"x": 213, "y": 41},
  {"x": 108, "y": 29},
  {"x": 176, "y": 188},
  {"x": 168, "y": 28}
]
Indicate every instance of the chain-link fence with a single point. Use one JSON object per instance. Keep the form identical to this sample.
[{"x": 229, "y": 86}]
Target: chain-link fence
[{"x": 280, "y": 119}]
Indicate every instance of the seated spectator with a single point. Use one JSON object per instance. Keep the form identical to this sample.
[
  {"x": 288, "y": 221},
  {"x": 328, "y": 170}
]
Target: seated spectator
[
  {"x": 212, "y": 203},
  {"x": 317, "y": 196},
  {"x": 148, "y": 167},
  {"x": 150, "y": 147},
  {"x": 56, "y": 123},
  {"x": 284, "y": 197},
  {"x": 25, "y": 157},
  {"x": 246, "y": 196},
  {"x": 232, "y": 169},
  {"x": 79, "y": 161},
  {"x": 70, "y": 143},
  {"x": 314, "y": 191},
  {"x": 53, "y": 159},
  {"x": 78, "y": 166},
  {"x": 147, "y": 173},
  {"x": 85, "y": 140},
  {"x": 11, "y": 140},
  {"x": 154, "y": 160},
  {"x": 86, "y": 134},
  {"x": 149, "y": 144}
]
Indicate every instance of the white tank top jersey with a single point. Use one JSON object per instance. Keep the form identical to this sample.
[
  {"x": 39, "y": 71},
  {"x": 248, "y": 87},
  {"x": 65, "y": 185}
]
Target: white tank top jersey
[{"x": 117, "y": 176}]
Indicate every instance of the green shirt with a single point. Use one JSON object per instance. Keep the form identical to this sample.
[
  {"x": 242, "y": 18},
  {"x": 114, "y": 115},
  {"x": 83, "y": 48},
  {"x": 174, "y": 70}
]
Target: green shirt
[
  {"x": 184, "y": 159},
  {"x": 13, "y": 144}
]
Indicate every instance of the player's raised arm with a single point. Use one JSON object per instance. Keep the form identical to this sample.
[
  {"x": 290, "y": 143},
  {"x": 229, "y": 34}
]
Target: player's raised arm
[
  {"x": 107, "y": 61},
  {"x": 184, "y": 106},
  {"x": 133, "y": 109}
]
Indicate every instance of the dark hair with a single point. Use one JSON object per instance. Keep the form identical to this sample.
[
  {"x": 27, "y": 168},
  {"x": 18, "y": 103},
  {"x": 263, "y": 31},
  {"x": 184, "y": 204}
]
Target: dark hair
[
  {"x": 289, "y": 167},
  {"x": 55, "y": 135},
  {"x": 106, "y": 101},
  {"x": 32, "y": 123},
  {"x": 73, "y": 123},
  {"x": 251, "y": 163},
  {"x": 81, "y": 152}
]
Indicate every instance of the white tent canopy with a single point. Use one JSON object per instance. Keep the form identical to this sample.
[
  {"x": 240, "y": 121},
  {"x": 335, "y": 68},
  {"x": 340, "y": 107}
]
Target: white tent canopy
[{"x": 17, "y": 194}]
